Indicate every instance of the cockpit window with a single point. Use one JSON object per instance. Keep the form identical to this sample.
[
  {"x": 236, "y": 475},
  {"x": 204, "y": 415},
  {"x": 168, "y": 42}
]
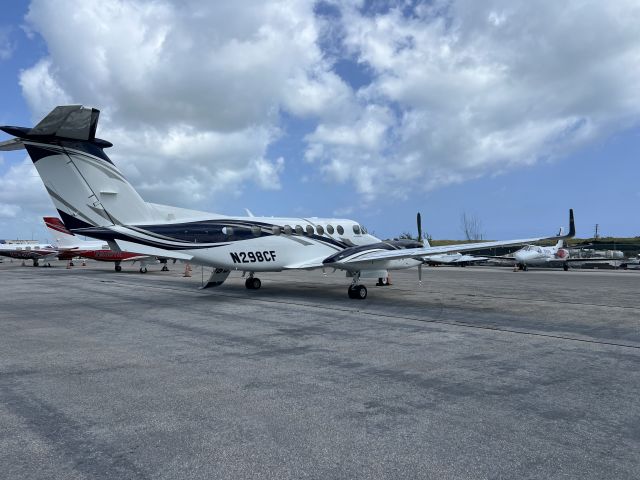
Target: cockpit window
[{"x": 363, "y": 229}]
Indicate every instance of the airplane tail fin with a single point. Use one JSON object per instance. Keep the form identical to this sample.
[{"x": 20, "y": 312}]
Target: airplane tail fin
[
  {"x": 560, "y": 242},
  {"x": 85, "y": 186},
  {"x": 62, "y": 237}
]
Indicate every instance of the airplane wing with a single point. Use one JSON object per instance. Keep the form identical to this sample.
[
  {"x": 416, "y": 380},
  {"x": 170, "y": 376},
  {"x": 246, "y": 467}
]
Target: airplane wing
[
  {"x": 307, "y": 265},
  {"x": 421, "y": 253}
]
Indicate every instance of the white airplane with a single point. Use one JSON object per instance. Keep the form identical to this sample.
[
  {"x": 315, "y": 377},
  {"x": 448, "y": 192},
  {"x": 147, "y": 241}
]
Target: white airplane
[
  {"x": 537, "y": 256},
  {"x": 94, "y": 199},
  {"x": 456, "y": 258}
]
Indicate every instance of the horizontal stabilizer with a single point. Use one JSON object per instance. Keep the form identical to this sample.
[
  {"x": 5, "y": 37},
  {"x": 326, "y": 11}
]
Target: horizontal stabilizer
[{"x": 13, "y": 144}]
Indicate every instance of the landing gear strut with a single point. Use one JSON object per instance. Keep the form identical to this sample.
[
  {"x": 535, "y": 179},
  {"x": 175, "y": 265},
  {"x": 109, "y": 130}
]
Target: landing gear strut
[
  {"x": 565, "y": 267},
  {"x": 252, "y": 283},
  {"x": 35, "y": 262},
  {"x": 357, "y": 291}
]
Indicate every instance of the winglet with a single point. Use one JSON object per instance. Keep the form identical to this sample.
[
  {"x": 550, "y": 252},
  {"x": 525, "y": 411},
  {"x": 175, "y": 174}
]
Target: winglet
[
  {"x": 572, "y": 225},
  {"x": 572, "y": 228}
]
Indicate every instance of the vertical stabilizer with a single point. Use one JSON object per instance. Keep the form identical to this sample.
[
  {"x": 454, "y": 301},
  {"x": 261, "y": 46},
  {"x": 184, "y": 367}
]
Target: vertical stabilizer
[
  {"x": 85, "y": 186},
  {"x": 62, "y": 237}
]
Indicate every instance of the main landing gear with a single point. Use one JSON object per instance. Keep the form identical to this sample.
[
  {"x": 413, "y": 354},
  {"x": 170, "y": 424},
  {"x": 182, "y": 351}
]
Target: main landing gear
[
  {"x": 164, "y": 268},
  {"x": 252, "y": 283},
  {"x": 357, "y": 291},
  {"x": 35, "y": 262},
  {"x": 143, "y": 269},
  {"x": 118, "y": 267}
]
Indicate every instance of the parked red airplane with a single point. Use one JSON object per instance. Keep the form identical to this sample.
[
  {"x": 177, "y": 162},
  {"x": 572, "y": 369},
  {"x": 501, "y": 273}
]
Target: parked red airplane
[{"x": 70, "y": 246}]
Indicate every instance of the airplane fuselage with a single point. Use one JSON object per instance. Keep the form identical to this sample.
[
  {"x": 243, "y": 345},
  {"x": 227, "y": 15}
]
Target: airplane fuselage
[{"x": 257, "y": 244}]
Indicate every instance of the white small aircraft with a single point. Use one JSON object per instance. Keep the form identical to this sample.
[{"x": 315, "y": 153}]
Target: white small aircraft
[
  {"x": 459, "y": 259},
  {"x": 94, "y": 199},
  {"x": 537, "y": 256}
]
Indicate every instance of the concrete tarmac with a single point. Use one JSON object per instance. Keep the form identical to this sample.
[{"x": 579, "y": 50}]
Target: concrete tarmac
[{"x": 479, "y": 373}]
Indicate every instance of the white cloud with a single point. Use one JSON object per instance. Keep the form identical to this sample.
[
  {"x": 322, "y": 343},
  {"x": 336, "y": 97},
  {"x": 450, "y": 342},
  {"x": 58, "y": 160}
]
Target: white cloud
[
  {"x": 192, "y": 92},
  {"x": 482, "y": 87},
  {"x": 7, "y": 46}
]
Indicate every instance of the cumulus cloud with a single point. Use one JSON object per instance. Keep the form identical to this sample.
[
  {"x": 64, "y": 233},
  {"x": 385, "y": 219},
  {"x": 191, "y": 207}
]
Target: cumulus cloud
[
  {"x": 481, "y": 87},
  {"x": 192, "y": 93}
]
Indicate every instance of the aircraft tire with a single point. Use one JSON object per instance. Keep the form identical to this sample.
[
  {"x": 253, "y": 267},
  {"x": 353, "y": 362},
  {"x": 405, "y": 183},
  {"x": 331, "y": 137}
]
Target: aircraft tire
[
  {"x": 252, "y": 283},
  {"x": 118, "y": 268},
  {"x": 165, "y": 268},
  {"x": 357, "y": 292},
  {"x": 143, "y": 269}
]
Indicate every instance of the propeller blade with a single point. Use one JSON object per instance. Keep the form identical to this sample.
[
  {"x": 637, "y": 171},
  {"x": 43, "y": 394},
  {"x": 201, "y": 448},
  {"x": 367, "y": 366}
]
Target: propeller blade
[{"x": 419, "y": 222}]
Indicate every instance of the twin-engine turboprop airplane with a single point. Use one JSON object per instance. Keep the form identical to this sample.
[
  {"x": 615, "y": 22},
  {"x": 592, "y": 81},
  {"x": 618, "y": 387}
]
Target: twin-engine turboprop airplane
[
  {"x": 70, "y": 246},
  {"x": 94, "y": 199}
]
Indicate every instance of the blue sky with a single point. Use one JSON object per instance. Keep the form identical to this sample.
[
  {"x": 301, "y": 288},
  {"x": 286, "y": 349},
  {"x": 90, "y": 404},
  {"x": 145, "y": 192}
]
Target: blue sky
[{"x": 371, "y": 111}]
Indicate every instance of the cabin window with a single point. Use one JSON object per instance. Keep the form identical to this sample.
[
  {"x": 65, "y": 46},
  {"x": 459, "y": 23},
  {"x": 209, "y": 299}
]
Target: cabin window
[
  {"x": 309, "y": 230},
  {"x": 277, "y": 230},
  {"x": 340, "y": 230},
  {"x": 356, "y": 229},
  {"x": 255, "y": 230},
  {"x": 320, "y": 230},
  {"x": 330, "y": 229},
  {"x": 299, "y": 230},
  {"x": 227, "y": 231},
  {"x": 287, "y": 229}
]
